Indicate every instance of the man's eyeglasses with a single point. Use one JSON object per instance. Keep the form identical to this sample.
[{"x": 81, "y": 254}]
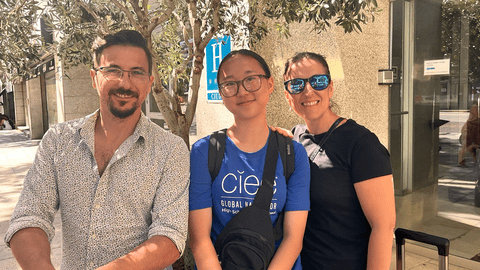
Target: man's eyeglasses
[
  {"x": 137, "y": 75},
  {"x": 318, "y": 82},
  {"x": 250, "y": 83}
]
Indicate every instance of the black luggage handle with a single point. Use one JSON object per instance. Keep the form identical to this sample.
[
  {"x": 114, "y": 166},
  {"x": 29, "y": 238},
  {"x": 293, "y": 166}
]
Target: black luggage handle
[{"x": 442, "y": 244}]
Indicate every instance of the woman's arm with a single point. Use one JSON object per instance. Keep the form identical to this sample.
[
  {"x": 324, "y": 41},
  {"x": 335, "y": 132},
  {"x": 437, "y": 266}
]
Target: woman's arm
[
  {"x": 293, "y": 230},
  {"x": 200, "y": 226},
  {"x": 377, "y": 199}
]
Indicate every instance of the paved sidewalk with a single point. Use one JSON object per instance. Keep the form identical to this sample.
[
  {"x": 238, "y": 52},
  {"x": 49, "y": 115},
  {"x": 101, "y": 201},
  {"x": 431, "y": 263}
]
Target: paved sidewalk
[{"x": 16, "y": 156}]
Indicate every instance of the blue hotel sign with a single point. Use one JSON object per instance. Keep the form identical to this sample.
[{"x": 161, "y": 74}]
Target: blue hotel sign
[{"x": 215, "y": 51}]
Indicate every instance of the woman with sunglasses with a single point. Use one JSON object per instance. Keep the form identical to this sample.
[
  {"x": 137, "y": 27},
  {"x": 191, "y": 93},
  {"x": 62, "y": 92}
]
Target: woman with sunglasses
[
  {"x": 245, "y": 85},
  {"x": 352, "y": 217}
]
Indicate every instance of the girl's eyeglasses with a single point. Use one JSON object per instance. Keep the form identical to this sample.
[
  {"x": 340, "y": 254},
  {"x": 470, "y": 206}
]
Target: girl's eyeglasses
[
  {"x": 318, "y": 82},
  {"x": 251, "y": 84}
]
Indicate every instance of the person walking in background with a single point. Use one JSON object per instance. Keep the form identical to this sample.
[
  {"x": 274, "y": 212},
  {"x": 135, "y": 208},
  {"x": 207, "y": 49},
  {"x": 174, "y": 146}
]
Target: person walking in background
[
  {"x": 245, "y": 84},
  {"x": 120, "y": 181},
  {"x": 352, "y": 217},
  {"x": 470, "y": 136},
  {"x": 6, "y": 123}
]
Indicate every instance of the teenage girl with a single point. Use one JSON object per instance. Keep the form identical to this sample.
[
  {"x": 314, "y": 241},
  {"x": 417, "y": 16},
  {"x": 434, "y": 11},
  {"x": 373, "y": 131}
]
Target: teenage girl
[{"x": 245, "y": 85}]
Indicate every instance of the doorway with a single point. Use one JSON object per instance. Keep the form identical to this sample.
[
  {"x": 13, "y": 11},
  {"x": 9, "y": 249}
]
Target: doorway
[{"x": 427, "y": 113}]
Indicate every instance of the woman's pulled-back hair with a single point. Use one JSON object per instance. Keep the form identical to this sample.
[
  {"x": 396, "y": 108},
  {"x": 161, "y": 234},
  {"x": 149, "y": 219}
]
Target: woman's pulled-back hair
[
  {"x": 309, "y": 55},
  {"x": 249, "y": 53}
]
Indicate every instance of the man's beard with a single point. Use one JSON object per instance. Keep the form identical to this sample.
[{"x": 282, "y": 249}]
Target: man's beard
[{"x": 122, "y": 114}]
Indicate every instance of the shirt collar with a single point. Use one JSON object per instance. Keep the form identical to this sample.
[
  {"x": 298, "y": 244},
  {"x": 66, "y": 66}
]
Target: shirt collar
[{"x": 87, "y": 128}]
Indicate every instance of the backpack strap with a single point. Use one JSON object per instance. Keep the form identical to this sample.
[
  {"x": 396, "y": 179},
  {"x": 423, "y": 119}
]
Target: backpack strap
[
  {"x": 287, "y": 153},
  {"x": 216, "y": 151},
  {"x": 264, "y": 195}
]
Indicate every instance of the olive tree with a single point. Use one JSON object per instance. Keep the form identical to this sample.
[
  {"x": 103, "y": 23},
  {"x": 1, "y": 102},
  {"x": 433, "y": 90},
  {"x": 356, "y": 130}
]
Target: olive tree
[
  {"x": 19, "y": 42},
  {"x": 177, "y": 32}
]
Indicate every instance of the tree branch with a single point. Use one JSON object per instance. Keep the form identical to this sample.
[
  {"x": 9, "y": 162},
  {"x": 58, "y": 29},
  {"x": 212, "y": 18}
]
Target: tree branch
[
  {"x": 18, "y": 6},
  {"x": 103, "y": 26},
  {"x": 215, "y": 4},
  {"x": 145, "y": 4},
  {"x": 194, "y": 23},
  {"x": 186, "y": 38},
  {"x": 200, "y": 45},
  {"x": 136, "y": 8},
  {"x": 125, "y": 10},
  {"x": 159, "y": 19}
]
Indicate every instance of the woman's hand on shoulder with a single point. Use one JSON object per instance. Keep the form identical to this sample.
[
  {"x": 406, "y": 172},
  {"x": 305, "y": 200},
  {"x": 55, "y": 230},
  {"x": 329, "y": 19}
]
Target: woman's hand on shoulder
[{"x": 282, "y": 131}]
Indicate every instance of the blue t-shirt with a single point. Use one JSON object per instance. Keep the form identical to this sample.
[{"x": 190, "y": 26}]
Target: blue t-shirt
[{"x": 238, "y": 180}]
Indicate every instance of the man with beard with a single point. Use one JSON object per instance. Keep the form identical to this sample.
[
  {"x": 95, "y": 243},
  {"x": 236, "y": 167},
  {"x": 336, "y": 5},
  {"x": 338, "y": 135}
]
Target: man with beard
[{"x": 119, "y": 181}]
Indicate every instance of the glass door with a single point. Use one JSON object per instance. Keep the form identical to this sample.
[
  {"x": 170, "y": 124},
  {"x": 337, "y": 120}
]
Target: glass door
[{"x": 433, "y": 165}]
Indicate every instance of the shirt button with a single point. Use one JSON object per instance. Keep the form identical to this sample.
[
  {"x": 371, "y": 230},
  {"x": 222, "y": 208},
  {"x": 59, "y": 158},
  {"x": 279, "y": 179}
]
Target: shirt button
[
  {"x": 93, "y": 236},
  {"x": 97, "y": 206},
  {"x": 92, "y": 264}
]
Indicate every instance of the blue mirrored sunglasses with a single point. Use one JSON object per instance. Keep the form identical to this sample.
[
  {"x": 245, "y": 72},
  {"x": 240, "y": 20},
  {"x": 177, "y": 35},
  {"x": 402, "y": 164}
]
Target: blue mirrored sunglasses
[{"x": 318, "y": 82}]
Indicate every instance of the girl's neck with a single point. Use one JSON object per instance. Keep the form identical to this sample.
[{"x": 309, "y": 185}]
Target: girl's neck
[{"x": 249, "y": 136}]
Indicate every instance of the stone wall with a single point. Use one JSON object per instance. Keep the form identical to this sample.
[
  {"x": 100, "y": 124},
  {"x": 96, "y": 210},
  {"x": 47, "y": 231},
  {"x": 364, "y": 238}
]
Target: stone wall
[
  {"x": 34, "y": 108},
  {"x": 354, "y": 61},
  {"x": 76, "y": 96},
  {"x": 20, "y": 99}
]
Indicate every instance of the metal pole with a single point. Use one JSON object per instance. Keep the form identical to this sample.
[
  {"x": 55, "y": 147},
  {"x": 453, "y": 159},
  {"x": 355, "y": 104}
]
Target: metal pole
[
  {"x": 400, "y": 256},
  {"x": 442, "y": 262}
]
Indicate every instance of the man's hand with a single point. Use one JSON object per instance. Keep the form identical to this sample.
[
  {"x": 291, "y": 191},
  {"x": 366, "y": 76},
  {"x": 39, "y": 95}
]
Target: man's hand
[{"x": 158, "y": 252}]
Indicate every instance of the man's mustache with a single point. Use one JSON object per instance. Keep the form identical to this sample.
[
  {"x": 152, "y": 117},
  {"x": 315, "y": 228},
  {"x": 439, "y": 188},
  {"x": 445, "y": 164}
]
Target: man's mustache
[{"x": 122, "y": 91}]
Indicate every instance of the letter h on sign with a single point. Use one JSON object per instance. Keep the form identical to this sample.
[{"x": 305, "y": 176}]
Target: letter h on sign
[
  {"x": 217, "y": 56},
  {"x": 215, "y": 51}
]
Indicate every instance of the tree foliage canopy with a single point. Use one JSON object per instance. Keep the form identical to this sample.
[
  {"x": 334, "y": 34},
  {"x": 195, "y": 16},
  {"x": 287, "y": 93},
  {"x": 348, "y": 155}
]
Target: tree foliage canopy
[
  {"x": 452, "y": 14},
  {"x": 177, "y": 32},
  {"x": 19, "y": 42}
]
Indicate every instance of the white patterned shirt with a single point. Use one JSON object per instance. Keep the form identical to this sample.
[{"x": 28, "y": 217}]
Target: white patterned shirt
[{"x": 143, "y": 192}]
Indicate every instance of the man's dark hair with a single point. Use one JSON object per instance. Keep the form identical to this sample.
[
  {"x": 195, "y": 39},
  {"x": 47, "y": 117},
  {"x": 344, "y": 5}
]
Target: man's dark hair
[
  {"x": 309, "y": 55},
  {"x": 125, "y": 38},
  {"x": 249, "y": 53}
]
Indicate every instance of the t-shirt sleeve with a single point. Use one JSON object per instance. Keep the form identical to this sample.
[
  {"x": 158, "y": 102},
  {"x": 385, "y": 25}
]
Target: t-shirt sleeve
[
  {"x": 298, "y": 190},
  {"x": 370, "y": 159},
  {"x": 200, "y": 179}
]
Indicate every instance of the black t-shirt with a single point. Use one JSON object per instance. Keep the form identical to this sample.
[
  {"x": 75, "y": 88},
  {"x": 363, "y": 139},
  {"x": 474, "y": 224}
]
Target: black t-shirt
[{"x": 337, "y": 232}]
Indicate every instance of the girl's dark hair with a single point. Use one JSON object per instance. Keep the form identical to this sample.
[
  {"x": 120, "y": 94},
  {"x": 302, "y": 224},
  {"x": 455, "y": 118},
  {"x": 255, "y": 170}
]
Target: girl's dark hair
[
  {"x": 124, "y": 37},
  {"x": 309, "y": 55},
  {"x": 249, "y": 53}
]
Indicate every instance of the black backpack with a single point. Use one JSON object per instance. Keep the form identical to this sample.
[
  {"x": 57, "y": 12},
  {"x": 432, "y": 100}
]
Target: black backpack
[{"x": 248, "y": 239}]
